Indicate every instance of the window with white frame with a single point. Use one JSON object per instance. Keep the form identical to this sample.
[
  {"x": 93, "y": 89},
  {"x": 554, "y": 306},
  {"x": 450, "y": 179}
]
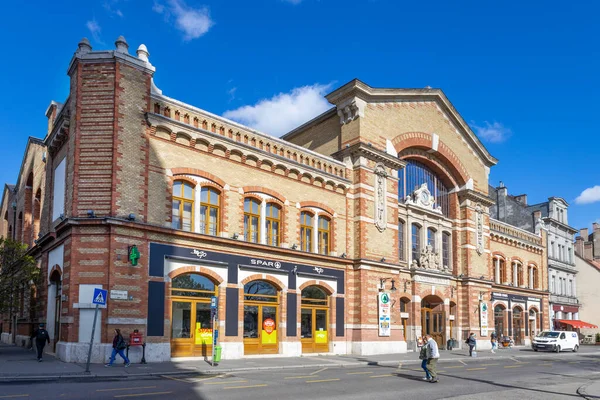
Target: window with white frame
[{"x": 446, "y": 239}]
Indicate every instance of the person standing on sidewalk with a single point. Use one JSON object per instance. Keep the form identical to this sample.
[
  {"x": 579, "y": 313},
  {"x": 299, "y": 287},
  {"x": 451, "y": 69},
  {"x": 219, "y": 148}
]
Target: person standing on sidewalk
[
  {"x": 494, "y": 340},
  {"x": 423, "y": 357},
  {"x": 472, "y": 342},
  {"x": 41, "y": 337},
  {"x": 118, "y": 346},
  {"x": 433, "y": 354}
]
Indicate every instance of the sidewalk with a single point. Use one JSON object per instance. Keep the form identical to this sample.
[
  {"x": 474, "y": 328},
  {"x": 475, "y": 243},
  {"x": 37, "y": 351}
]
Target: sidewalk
[{"x": 19, "y": 364}]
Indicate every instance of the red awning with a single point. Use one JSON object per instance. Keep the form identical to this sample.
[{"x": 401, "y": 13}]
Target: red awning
[{"x": 575, "y": 323}]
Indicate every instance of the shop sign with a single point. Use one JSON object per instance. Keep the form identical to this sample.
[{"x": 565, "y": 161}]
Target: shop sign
[
  {"x": 199, "y": 253},
  {"x": 383, "y": 299},
  {"x": 203, "y": 335},
  {"x": 321, "y": 337},
  {"x": 518, "y": 299},
  {"x": 483, "y": 314},
  {"x": 499, "y": 296},
  {"x": 269, "y": 333},
  {"x": 265, "y": 263},
  {"x": 533, "y": 299}
]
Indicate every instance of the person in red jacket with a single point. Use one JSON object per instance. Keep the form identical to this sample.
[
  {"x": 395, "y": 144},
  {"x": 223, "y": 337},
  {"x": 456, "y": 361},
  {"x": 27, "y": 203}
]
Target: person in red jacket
[{"x": 118, "y": 346}]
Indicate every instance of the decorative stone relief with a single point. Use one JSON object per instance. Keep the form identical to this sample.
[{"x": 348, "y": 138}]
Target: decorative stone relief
[
  {"x": 380, "y": 216},
  {"x": 479, "y": 224},
  {"x": 422, "y": 198},
  {"x": 429, "y": 259},
  {"x": 351, "y": 109}
]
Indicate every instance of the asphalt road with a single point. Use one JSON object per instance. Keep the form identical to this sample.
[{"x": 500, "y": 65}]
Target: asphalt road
[{"x": 546, "y": 377}]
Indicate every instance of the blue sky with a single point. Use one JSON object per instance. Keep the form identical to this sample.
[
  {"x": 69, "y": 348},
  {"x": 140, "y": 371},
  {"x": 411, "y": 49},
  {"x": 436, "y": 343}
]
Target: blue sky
[{"x": 524, "y": 74}]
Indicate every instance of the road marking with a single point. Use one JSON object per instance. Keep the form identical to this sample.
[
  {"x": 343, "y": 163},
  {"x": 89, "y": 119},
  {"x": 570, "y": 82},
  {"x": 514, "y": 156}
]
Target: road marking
[
  {"x": 381, "y": 376},
  {"x": 360, "y": 373},
  {"x": 462, "y": 362},
  {"x": 321, "y": 370},
  {"x": 455, "y": 366},
  {"x": 298, "y": 377},
  {"x": 142, "y": 394},
  {"x": 475, "y": 369},
  {"x": 245, "y": 387},
  {"x": 175, "y": 379},
  {"x": 546, "y": 364},
  {"x": 511, "y": 366},
  {"x": 515, "y": 360},
  {"x": 204, "y": 379},
  {"x": 323, "y": 380},
  {"x": 487, "y": 365},
  {"x": 129, "y": 388},
  {"x": 573, "y": 362},
  {"x": 12, "y": 396},
  {"x": 225, "y": 383}
]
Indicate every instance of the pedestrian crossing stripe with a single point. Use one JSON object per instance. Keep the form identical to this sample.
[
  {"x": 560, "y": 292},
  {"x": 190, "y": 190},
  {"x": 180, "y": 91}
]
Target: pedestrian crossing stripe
[{"x": 99, "y": 299}]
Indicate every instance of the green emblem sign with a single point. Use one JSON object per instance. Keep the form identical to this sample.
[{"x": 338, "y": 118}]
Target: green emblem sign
[
  {"x": 134, "y": 255},
  {"x": 385, "y": 298}
]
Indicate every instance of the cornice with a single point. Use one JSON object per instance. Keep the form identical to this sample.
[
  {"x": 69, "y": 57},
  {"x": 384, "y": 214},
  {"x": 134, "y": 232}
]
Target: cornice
[
  {"x": 371, "y": 153},
  {"x": 470, "y": 194}
]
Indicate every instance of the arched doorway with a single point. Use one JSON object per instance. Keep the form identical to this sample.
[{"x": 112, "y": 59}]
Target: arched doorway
[
  {"x": 433, "y": 318},
  {"x": 314, "y": 318},
  {"x": 534, "y": 322},
  {"x": 56, "y": 288},
  {"x": 191, "y": 325},
  {"x": 499, "y": 312},
  {"x": 517, "y": 322},
  {"x": 261, "y": 303}
]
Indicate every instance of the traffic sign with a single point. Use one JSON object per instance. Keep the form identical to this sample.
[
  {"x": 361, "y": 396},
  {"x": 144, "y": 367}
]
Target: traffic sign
[
  {"x": 99, "y": 297},
  {"x": 213, "y": 302}
]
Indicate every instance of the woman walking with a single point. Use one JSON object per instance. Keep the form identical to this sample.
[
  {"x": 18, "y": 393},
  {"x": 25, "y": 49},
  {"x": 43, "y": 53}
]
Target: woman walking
[
  {"x": 423, "y": 357},
  {"x": 118, "y": 346},
  {"x": 472, "y": 342}
]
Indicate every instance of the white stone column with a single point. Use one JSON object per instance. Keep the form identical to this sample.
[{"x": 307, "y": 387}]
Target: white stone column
[
  {"x": 497, "y": 269},
  {"x": 515, "y": 271},
  {"x": 197, "y": 198},
  {"x": 263, "y": 223},
  {"x": 530, "y": 277},
  {"x": 315, "y": 241}
]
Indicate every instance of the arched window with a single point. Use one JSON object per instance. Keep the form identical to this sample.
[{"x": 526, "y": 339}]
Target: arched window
[
  {"x": 260, "y": 291},
  {"x": 415, "y": 241},
  {"x": 252, "y": 220},
  {"x": 520, "y": 275},
  {"x": 183, "y": 206},
  {"x": 324, "y": 235},
  {"x": 192, "y": 285},
  {"x": 431, "y": 239},
  {"x": 273, "y": 223},
  {"x": 306, "y": 231},
  {"x": 446, "y": 250},
  {"x": 209, "y": 211},
  {"x": 536, "y": 278},
  {"x": 414, "y": 175},
  {"x": 502, "y": 266},
  {"x": 401, "y": 255},
  {"x": 499, "y": 320},
  {"x": 314, "y": 296}
]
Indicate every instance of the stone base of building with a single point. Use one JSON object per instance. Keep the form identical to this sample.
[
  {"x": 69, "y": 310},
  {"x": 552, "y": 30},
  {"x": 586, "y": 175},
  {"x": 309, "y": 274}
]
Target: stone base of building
[
  {"x": 373, "y": 348},
  {"x": 78, "y": 352},
  {"x": 6, "y": 338}
]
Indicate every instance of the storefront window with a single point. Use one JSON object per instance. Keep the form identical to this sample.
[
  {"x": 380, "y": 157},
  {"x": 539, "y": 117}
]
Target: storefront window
[
  {"x": 314, "y": 296},
  {"x": 192, "y": 285},
  {"x": 260, "y": 291}
]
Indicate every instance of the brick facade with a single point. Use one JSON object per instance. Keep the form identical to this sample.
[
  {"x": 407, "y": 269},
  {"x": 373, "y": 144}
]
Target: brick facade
[{"x": 126, "y": 145}]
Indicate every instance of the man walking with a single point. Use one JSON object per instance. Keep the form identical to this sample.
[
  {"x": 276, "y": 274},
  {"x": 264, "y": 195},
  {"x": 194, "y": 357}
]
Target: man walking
[
  {"x": 472, "y": 342},
  {"x": 433, "y": 353},
  {"x": 41, "y": 337}
]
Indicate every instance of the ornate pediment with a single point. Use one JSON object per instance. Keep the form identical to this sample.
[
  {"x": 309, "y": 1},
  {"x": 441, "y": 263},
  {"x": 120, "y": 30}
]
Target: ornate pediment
[{"x": 422, "y": 198}]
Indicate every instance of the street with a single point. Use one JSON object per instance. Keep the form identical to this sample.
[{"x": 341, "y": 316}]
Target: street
[{"x": 549, "y": 376}]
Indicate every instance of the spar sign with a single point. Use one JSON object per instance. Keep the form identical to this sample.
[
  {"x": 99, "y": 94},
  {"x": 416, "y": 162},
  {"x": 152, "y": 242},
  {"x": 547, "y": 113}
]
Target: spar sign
[
  {"x": 383, "y": 300},
  {"x": 269, "y": 333}
]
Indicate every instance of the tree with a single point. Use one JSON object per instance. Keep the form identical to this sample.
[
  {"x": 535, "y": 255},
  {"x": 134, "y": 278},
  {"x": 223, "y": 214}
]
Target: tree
[{"x": 18, "y": 272}]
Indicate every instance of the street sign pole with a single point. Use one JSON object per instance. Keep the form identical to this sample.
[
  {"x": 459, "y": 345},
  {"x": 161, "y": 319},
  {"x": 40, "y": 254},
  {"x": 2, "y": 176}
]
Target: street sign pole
[
  {"x": 213, "y": 312},
  {"x": 213, "y": 342},
  {"x": 87, "y": 365}
]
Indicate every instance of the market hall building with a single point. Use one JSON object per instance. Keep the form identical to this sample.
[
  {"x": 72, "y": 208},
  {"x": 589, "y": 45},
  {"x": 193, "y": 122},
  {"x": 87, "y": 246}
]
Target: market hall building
[{"x": 355, "y": 233}]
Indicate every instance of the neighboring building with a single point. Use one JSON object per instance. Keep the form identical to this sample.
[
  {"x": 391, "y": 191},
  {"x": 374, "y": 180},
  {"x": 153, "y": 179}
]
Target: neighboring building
[
  {"x": 354, "y": 233},
  {"x": 562, "y": 271},
  {"x": 587, "y": 260}
]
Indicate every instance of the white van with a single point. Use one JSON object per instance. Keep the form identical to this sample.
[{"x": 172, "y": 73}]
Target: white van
[{"x": 556, "y": 341}]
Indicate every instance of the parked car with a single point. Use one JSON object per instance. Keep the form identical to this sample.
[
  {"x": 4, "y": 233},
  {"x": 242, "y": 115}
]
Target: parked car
[{"x": 556, "y": 341}]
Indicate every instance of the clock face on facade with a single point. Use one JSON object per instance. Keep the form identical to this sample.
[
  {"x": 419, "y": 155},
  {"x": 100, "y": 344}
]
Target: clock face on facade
[{"x": 424, "y": 197}]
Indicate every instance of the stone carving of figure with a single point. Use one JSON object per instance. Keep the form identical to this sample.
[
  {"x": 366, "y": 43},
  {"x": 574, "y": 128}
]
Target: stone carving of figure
[{"x": 424, "y": 259}]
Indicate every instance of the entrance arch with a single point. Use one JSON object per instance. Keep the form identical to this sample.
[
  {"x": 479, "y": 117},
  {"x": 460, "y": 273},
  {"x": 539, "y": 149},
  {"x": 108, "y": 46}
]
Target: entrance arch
[
  {"x": 433, "y": 318},
  {"x": 261, "y": 317},
  {"x": 499, "y": 325},
  {"x": 191, "y": 324},
  {"x": 314, "y": 319}
]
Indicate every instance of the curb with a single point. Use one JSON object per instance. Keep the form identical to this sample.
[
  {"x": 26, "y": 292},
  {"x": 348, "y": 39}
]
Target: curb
[{"x": 582, "y": 391}]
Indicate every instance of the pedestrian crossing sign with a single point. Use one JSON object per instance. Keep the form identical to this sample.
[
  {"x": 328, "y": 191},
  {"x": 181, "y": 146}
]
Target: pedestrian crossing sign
[{"x": 99, "y": 297}]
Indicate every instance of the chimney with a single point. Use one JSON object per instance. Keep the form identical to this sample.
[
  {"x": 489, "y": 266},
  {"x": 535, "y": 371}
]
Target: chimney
[
  {"x": 522, "y": 198},
  {"x": 51, "y": 115},
  {"x": 502, "y": 192},
  {"x": 583, "y": 232},
  {"x": 579, "y": 242},
  {"x": 121, "y": 45},
  {"x": 596, "y": 227}
]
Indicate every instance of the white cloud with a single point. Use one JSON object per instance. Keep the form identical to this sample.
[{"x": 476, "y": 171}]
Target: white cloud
[
  {"x": 109, "y": 6},
  {"x": 493, "y": 133},
  {"x": 95, "y": 30},
  {"x": 284, "y": 111},
  {"x": 589, "y": 195},
  {"x": 193, "y": 22},
  {"x": 231, "y": 93}
]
